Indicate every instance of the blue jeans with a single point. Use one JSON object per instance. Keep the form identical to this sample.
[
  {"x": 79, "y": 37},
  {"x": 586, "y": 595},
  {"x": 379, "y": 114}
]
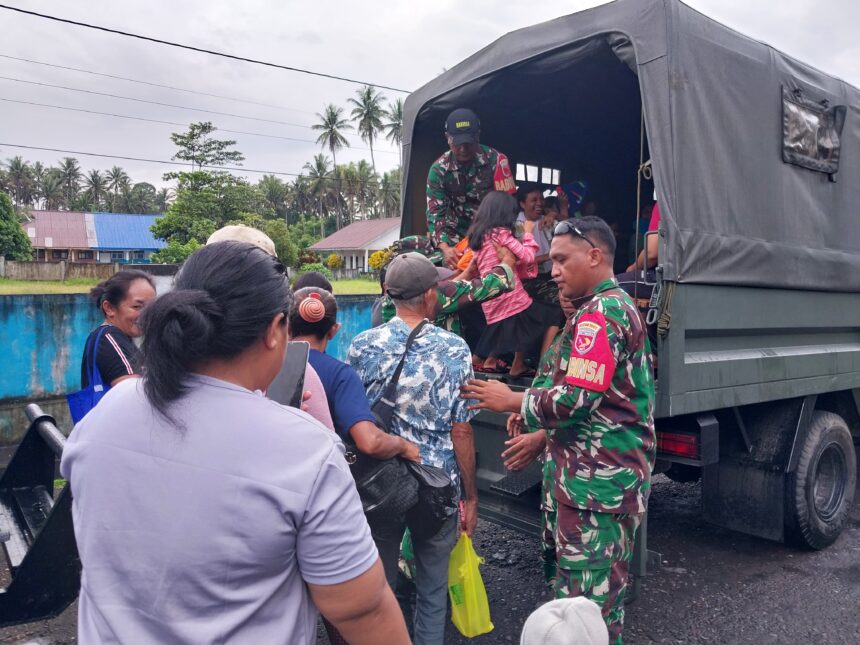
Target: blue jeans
[{"x": 431, "y": 574}]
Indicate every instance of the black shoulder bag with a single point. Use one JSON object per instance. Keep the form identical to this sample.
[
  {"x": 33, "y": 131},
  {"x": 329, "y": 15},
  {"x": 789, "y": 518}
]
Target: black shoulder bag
[{"x": 385, "y": 486}]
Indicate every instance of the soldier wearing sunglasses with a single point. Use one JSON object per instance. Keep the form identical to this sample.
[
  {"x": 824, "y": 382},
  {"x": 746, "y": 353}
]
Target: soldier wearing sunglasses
[{"x": 596, "y": 417}]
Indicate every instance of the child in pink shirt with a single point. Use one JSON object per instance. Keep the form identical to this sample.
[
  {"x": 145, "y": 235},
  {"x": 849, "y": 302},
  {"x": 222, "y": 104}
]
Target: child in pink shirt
[{"x": 515, "y": 323}]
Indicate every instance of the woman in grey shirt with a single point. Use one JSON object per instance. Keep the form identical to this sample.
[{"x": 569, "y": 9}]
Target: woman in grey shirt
[{"x": 205, "y": 512}]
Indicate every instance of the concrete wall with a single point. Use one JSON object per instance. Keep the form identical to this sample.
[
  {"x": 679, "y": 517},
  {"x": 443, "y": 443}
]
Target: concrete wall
[
  {"x": 42, "y": 338},
  {"x": 57, "y": 270}
]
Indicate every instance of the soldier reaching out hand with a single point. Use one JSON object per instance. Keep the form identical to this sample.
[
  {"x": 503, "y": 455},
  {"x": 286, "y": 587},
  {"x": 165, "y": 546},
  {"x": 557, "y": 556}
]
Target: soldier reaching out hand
[{"x": 598, "y": 416}]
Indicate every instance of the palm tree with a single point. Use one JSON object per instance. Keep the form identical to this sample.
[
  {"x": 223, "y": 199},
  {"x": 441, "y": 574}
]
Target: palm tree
[
  {"x": 389, "y": 193},
  {"x": 37, "y": 171},
  {"x": 367, "y": 187},
  {"x": 274, "y": 193},
  {"x": 95, "y": 188},
  {"x": 394, "y": 126},
  {"x": 70, "y": 171},
  {"x": 117, "y": 181},
  {"x": 319, "y": 184},
  {"x": 331, "y": 127},
  {"x": 19, "y": 178},
  {"x": 368, "y": 114},
  {"x": 163, "y": 198},
  {"x": 52, "y": 189}
]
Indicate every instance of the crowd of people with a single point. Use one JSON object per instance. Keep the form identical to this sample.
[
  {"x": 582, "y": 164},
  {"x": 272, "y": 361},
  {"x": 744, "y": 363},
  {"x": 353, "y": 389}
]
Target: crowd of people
[{"x": 205, "y": 510}]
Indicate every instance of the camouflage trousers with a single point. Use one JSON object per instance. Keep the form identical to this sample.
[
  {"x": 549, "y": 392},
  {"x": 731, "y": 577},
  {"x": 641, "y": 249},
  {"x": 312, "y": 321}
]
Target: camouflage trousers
[
  {"x": 594, "y": 551},
  {"x": 548, "y": 513}
]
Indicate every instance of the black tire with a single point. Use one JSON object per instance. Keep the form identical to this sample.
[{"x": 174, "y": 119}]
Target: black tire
[
  {"x": 683, "y": 474},
  {"x": 820, "y": 491}
]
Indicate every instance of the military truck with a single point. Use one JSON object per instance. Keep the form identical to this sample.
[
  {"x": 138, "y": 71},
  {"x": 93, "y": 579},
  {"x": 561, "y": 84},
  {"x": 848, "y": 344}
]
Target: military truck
[{"x": 754, "y": 158}]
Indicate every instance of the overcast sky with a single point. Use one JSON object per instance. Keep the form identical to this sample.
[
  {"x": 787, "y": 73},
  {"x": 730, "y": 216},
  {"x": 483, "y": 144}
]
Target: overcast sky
[{"x": 400, "y": 44}]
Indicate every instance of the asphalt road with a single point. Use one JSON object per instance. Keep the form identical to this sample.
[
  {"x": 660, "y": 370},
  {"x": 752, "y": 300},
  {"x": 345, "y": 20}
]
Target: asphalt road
[{"x": 714, "y": 586}]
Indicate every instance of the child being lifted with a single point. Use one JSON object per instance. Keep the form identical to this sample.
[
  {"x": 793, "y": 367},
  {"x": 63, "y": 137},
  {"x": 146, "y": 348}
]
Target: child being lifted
[{"x": 515, "y": 323}]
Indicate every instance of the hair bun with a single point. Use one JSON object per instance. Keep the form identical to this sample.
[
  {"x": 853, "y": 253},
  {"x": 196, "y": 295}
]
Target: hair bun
[{"x": 312, "y": 309}]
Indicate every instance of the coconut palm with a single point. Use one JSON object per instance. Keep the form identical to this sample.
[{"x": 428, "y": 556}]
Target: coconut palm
[
  {"x": 367, "y": 114},
  {"x": 389, "y": 193},
  {"x": 118, "y": 182},
  {"x": 52, "y": 189},
  {"x": 37, "y": 171},
  {"x": 274, "y": 193},
  {"x": 367, "y": 187},
  {"x": 95, "y": 188},
  {"x": 331, "y": 127},
  {"x": 70, "y": 171},
  {"x": 163, "y": 198},
  {"x": 394, "y": 125},
  {"x": 19, "y": 179},
  {"x": 320, "y": 185}
]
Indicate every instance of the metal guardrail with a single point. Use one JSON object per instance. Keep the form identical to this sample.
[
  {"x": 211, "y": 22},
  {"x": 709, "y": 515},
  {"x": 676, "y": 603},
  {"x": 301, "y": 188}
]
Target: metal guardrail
[{"x": 36, "y": 528}]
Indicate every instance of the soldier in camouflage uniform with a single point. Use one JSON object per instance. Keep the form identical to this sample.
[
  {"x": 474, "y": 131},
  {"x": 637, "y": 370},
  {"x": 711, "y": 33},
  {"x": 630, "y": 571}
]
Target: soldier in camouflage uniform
[
  {"x": 459, "y": 180},
  {"x": 598, "y": 416},
  {"x": 453, "y": 295}
]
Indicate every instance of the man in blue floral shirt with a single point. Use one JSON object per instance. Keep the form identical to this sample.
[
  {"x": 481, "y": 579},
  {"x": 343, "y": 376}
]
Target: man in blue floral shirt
[{"x": 430, "y": 414}]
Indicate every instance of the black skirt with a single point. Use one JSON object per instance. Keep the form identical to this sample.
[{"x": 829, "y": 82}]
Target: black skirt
[{"x": 522, "y": 332}]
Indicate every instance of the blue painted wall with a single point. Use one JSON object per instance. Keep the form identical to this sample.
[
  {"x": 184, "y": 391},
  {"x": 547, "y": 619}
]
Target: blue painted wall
[{"x": 42, "y": 339}]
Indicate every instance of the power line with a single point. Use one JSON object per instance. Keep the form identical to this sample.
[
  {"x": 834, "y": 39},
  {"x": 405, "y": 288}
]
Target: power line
[
  {"x": 173, "y": 123},
  {"x": 162, "y": 104},
  {"x": 197, "y": 49},
  {"x": 151, "y": 84},
  {"x": 161, "y": 161}
]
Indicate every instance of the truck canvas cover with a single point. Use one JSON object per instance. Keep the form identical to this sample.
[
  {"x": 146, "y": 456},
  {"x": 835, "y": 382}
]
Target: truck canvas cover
[{"x": 756, "y": 156}]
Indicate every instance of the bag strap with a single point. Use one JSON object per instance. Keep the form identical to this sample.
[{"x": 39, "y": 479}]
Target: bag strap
[
  {"x": 389, "y": 395},
  {"x": 95, "y": 376}
]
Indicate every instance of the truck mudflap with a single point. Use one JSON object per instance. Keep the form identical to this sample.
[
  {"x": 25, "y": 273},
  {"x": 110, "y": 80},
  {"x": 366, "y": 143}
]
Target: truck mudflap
[{"x": 36, "y": 528}]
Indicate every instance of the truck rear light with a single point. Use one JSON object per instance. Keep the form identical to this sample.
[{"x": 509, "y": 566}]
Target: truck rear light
[{"x": 680, "y": 445}]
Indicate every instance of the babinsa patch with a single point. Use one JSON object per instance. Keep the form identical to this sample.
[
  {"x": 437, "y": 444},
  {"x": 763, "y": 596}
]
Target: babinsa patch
[{"x": 592, "y": 362}]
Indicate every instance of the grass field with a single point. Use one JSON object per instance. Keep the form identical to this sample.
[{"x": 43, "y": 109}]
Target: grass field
[
  {"x": 357, "y": 286},
  {"x": 17, "y": 287}
]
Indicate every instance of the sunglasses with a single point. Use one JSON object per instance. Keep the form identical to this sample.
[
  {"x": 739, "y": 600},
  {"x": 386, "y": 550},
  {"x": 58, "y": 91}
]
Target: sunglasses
[{"x": 567, "y": 228}]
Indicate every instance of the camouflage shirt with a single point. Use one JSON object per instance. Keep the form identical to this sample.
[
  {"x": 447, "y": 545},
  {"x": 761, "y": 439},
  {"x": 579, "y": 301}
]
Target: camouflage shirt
[
  {"x": 453, "y": 295},
  {"x": 454, "y": 192},
  {"x": 599, "y": 411}
]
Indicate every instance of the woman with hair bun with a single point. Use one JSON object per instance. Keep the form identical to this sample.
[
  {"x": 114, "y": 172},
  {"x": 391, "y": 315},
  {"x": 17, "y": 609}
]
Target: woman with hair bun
[
  {"x": 314, "y": 319},
  {"x": 121, "y": 298},
  {"x": 205, "y": 512}
]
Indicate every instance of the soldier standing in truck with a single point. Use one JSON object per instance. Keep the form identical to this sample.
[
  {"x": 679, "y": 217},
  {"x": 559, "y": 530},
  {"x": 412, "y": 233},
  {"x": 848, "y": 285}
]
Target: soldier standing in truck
[
  {"x": 598, "y": 417},
  {"x": 459, "y": 180}
]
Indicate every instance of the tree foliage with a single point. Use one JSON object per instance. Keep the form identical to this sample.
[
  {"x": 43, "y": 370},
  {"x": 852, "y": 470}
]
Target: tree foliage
[
  {"x": 14, "y": 243},
  {"x": 334, "y": 261},
  {"x": 198, "y": 147},
  {"x": 176, "y": 252}
]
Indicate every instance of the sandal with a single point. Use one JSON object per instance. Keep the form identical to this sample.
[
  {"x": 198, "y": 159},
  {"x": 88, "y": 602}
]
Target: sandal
[
  {"x": 500, "y": 367},
  {"x": 526, "y": 373}
]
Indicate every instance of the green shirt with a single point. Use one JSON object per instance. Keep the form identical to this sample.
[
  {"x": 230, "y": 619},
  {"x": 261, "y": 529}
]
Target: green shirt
[
  {"x": 600, "y": 424},
  {"x": 452, "y": 295},
  {"x": 454, "y": 192}
]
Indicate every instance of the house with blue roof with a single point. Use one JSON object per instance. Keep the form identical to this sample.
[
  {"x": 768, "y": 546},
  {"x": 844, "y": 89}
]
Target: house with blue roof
[
  {"x": 123, "y": 237},
  {"x": 92, "y": 237}
]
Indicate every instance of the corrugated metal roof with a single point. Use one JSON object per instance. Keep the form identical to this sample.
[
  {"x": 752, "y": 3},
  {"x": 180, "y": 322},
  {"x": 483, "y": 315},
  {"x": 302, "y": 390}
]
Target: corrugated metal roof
[
  {"x": 357, "y": 235},
  {"x": 120, "y": 231},
  {"x": 57, "y": 229}
]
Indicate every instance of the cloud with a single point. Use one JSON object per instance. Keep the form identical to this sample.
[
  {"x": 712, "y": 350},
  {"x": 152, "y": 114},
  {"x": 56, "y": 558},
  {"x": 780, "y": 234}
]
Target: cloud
[{"x": 400, "y": 44}]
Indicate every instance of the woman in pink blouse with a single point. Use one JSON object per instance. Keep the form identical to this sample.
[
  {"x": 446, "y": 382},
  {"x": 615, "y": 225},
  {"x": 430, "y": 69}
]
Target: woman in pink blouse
[{"x": 515, "y": 323}]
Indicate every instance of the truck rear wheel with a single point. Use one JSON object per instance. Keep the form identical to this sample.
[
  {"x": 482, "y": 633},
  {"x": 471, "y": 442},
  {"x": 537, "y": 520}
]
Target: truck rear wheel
[{"x": 820, "y": 491}]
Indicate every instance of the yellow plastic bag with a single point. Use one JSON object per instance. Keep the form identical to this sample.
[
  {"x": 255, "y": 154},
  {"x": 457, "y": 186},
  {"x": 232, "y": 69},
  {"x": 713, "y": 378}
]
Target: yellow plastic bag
[{"x": 470, "y": 610}]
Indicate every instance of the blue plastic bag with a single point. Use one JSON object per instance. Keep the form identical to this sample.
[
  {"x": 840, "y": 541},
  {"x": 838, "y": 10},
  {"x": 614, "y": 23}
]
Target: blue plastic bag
[{"x": 82, "y": 401}]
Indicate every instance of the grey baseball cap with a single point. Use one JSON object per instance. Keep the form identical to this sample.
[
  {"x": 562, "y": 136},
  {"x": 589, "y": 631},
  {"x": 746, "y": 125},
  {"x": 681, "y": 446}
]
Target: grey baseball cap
[{"x": 409, "y": 275}]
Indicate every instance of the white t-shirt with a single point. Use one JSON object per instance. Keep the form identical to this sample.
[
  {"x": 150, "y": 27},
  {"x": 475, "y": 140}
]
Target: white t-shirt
[
  {"x": 208, "y": 533},
  {"x": 543, "y": 237}
]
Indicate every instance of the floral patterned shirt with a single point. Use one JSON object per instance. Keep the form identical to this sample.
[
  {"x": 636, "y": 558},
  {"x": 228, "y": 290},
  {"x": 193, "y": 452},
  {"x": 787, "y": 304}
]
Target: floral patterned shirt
[{"x": 428, "y": 393}]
